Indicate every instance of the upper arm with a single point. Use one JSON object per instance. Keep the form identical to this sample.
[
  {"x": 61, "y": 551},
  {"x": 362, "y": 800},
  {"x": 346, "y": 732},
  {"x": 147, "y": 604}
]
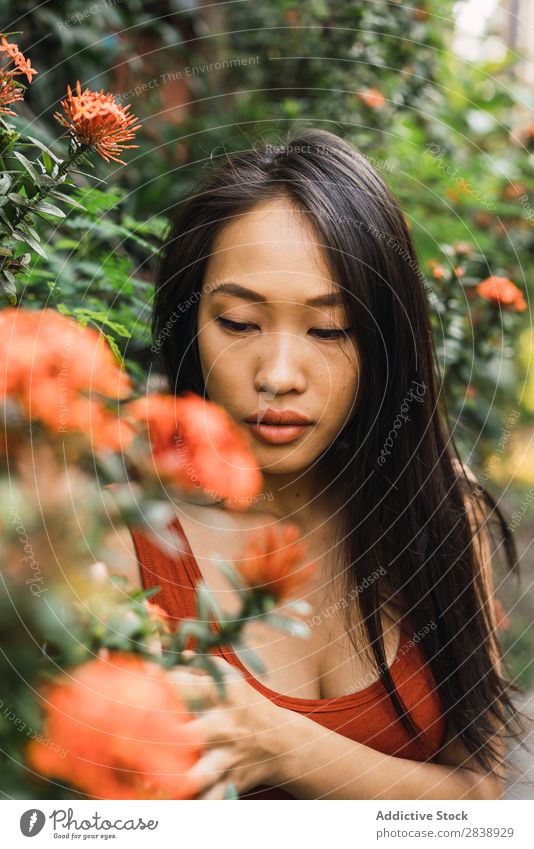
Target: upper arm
[{"x": 454, "y": 753}]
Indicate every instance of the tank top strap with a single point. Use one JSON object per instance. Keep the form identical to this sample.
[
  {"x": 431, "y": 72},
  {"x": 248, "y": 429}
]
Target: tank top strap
[{"x": 162, "y": 563}]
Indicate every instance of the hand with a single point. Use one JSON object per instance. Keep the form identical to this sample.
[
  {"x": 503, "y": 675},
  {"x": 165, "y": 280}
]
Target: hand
[{"x": 240, "y": 732}]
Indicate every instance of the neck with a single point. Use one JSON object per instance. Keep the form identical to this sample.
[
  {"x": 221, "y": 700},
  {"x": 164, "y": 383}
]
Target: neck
[{"x": 306, "y": 498}]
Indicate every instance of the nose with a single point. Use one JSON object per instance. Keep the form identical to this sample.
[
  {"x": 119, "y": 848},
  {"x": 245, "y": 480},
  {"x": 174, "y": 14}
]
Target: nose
[{"x": 280, "y": 365}]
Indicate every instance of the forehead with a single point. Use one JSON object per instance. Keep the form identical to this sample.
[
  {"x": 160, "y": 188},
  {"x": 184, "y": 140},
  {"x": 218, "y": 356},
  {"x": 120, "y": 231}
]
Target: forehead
[{"x": 275, "y": 249}]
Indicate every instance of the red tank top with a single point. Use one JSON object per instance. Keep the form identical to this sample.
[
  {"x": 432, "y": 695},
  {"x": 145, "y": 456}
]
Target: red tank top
[{"x": 366, "y": 716}]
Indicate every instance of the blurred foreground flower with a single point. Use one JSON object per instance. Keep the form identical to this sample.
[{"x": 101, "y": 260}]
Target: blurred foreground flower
[
  {"x": 124, "y": 729},
  {"x": 96, "y": 120},
  {"x": 196, "y": 444},
  {"x": 502, "y": 292},
  {"x": 272, "y": 563},
  {"x": 11, "y": 91},
  {"x": 373, "y": 98},
  {"x": 48, "y": 366}
]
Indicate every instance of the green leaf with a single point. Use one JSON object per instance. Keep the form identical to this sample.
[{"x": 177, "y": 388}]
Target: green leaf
[
  {"x": 29, "y": 166},
  {"x": 249, "y": 657},
  {"x": 115, "y": 348},
  {"x": 19, "y": 200},
  {"x": 5, "y": 183},
  {"x": 207, "y": 603},
  {"x": 8, "y": 285},
  {"x": 32, "y": 242},
  {"x": 61, "y": 196},
  {"x": 286, "y": 623},
  {"x": 49, "y": 209},
  {"x": 45, "y": 150},
  {"x": 229, "y": 571}
]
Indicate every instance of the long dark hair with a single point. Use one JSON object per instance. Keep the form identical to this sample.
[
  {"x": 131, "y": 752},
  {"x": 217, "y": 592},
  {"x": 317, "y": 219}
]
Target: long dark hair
[{"x": 411, "y": 511}]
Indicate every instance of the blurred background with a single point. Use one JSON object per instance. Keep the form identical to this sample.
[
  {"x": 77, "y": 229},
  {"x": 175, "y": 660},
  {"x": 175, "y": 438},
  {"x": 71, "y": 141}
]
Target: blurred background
[{"x": 440, "y": 96}]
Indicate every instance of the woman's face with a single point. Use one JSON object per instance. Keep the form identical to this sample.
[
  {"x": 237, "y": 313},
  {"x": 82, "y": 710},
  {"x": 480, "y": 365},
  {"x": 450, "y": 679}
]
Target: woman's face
[{"x": 283, "y": 352}]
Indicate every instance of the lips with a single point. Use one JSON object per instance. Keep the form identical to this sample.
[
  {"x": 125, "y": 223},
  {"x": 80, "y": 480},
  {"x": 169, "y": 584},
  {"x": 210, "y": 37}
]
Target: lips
[
  {"x": 278, "y": 426},
  {"x": 270, "y": 416}
]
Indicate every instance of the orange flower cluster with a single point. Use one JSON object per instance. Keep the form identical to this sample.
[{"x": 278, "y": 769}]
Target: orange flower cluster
[
  {"x": 11, "y": 91},
  {"x": 197, "y": 444},
  {"x": 502, "y": 292},
  {"x": 271, "y": 563},
  {"x": 96, "y": 120},
  {"x": 49, "y": 365},
  {"x": 373, "y": 98},
  {"x": 124, "y": 728}
]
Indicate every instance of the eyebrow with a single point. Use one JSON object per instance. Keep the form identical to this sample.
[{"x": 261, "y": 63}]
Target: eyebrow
[{"x": 329, "y": 299}]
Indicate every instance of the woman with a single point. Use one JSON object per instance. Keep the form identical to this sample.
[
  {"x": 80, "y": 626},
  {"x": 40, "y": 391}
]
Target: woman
[{"x": 289, "y": 293}]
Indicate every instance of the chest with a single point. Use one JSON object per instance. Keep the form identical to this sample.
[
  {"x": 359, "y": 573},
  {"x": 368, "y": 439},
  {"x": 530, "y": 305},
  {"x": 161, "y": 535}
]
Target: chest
[{"x": 323, "y": 664}]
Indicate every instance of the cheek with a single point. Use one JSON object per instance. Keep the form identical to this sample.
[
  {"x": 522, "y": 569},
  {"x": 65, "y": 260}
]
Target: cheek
[
  {"x": 221, "y": 363},
  {"x": 344, "y": 387}
]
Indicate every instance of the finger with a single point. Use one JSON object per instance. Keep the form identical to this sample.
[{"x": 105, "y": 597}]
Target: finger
[
  {"x": 211, "y": 768},
  {"x": 227, "y": 669},
  {"x": 199, "y": 691},
  {"x": 216, "y": 792},
  {"x": 213, "y": 727}
]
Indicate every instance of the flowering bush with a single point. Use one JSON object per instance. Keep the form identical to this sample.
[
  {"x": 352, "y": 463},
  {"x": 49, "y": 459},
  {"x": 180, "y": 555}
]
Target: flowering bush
[
  {"x": 33, "y": 173},
  {"x": 72, "y": 428},
  {"x": 124, "y": 728}
]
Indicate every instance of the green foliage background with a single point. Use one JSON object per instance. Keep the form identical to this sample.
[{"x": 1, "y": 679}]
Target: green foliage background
[{"x": 313, "y": 58}]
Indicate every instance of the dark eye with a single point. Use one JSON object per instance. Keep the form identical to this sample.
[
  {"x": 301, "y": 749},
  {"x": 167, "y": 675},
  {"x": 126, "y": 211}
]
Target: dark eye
[
  {"x": 237, "y": 326},
  {"x": 328, "y": 333}
]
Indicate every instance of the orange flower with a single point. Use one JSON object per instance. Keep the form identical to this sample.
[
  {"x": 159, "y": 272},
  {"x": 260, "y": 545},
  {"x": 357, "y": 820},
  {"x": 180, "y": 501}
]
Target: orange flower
[
  {"x": 420, "y": 13},
  {"x": 292, "y": 16},
  {"x": 438, "y": 272},
  {"x": 483, "y": 219},
  {"x": 373, "y": 98},
  {"x": 121, "y": 730},
  {"x": 49, "y": 365},
  {"x": 459, "y": 271},
  {"x": 512, "y": 191},
  {"x": 198, "y": 445},
  {"x": 12, "y": 91},
  {"x": 270, "y": 563},
  {"x": 96, "y": 120},
  {"x": 157, "y": 613},
  {"x": 501, "y": 291}
]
